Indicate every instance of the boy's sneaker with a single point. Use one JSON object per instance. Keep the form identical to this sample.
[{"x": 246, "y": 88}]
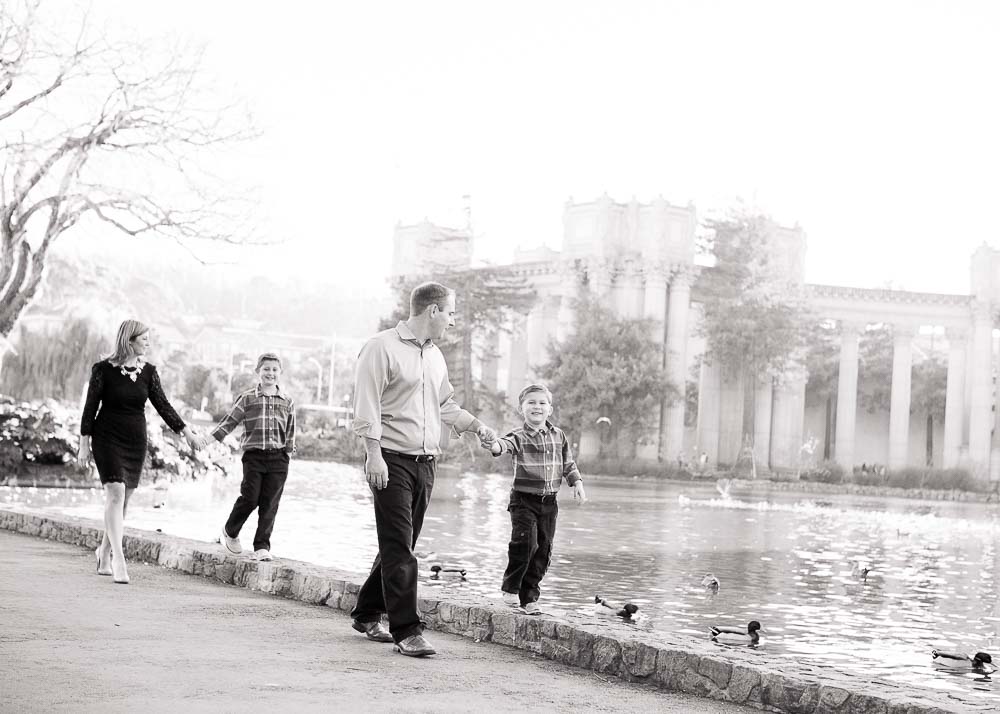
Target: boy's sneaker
[
  {"x": 531, "y": 608},
  {"x": 231, "y": 544},
  {"x": 263, "y": 554},
  {"x": 511, "y": 599}
]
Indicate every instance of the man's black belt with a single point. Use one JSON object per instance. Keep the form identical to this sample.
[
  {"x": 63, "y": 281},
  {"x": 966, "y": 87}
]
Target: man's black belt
[{"x": 419, "y": 458}]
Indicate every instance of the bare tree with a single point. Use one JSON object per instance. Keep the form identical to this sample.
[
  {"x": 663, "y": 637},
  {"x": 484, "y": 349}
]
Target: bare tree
[{"x": 96, "y": 132}]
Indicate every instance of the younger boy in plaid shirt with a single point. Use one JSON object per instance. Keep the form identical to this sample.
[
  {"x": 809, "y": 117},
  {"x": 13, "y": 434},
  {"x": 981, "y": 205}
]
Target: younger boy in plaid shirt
[
  {"x": 268, "y": 418},
  {"x": 541, "y": 457}
]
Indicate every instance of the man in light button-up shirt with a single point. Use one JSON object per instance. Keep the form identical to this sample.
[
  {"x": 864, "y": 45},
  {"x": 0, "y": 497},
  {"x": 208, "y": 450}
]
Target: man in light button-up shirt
[{"x": 402, "y": 397}]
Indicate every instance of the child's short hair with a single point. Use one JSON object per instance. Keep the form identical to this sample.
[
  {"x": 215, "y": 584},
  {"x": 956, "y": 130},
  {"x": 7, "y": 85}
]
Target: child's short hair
[
  {"x": 267, "y": 357},
  {"x": 533, "y": 388}
]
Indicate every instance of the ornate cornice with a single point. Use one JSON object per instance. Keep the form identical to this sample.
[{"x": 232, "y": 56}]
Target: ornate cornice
[{"x": 886, "y": 297}]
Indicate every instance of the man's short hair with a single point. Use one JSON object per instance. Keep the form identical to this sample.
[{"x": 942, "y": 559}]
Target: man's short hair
[
  {"x": 533, "y": 388},
  {"x": 267, "y": 357},
  {"x": 427, "y": 294}
]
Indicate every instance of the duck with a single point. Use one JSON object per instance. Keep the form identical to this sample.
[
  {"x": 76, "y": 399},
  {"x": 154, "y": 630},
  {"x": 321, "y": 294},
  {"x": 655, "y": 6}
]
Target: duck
[
  {"x": 860, "y": 571},
  {"x": 749, "y": 635},
  {"x": 625, "y": 611},
  {"x": 979, "y": 662},
  {"x": 438, "y": 569},
  {"x": 710, "y": 583}
]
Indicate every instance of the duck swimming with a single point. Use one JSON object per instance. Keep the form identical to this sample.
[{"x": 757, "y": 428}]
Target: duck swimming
[
  {"x": 710, "y": 583},
  {"x": 737, "y": 635},
  {"x": 438, "y": 569},
  {"x": 979, "y": 662},
  {"x": 860, "y": 570},
  {"x": 625, "y": 611}
]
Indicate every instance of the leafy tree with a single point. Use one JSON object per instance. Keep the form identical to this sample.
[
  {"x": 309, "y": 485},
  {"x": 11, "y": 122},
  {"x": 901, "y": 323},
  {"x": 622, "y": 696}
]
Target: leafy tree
[
  {"x": 98, "y": 132},
  {"x": 875, "y": 368},
  {"x": 609, "y": 367},
  {"x": 53, "y": 366},
  {"x": 928, "y": 389},
  {"x": 755, "y": 319}
]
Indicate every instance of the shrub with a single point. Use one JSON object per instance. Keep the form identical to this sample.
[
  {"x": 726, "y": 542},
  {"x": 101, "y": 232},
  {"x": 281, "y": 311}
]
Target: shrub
[
  {"x": 824, "y": 472},
  {"x": 329, "y": 445}
]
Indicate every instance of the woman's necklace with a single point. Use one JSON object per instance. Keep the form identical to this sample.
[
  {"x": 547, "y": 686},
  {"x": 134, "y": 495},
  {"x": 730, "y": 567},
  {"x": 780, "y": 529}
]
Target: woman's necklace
[{"x": 132, "y": 372}]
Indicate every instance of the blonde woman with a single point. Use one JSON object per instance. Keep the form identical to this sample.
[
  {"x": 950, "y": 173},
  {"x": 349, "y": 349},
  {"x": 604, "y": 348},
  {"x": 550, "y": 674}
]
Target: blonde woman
[{"x": 113, "y": 432}]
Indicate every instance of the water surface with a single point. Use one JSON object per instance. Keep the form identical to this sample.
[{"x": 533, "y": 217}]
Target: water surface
[{"x": 782, "y": 559}]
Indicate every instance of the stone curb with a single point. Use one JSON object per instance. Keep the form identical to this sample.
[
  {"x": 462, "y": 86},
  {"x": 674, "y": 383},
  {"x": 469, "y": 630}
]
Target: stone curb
[{"x": 686, "y": 665}]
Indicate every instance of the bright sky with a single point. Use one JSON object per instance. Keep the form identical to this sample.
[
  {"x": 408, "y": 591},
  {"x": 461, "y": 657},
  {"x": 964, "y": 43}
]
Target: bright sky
[{"x": 874, "y": 125}]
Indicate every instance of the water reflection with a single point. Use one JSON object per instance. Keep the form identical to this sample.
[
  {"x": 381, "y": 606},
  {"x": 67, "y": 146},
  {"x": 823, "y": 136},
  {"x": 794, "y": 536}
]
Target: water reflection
[{"x": 787, "y": 561}]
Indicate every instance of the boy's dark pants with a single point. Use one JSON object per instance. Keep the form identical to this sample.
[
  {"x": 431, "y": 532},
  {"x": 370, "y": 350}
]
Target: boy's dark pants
[
  {"x": 533, "y": 526},
  {"x": 264, "y": 474},
  {"x": 391, "y": 586}
]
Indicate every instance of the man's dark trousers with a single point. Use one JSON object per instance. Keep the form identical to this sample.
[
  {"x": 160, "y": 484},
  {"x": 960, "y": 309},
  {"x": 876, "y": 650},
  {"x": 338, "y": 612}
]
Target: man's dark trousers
[
  {"x": 533, "y": 527},
  {"x": 391, "y": 586},
  {"x": 264, "y": 474}
]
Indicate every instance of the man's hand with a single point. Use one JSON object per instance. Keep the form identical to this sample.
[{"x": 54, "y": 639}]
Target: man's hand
[
  {"x": 486, "y": 435},
  {"x": 579, "y": 494},
  {"x": 376, "y": 471}
]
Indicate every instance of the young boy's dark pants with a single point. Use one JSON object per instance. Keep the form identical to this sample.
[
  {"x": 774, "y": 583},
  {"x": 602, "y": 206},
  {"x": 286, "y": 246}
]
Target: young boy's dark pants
[
  {"x": 391, "y": 586},
  {"x": 264, "y": 474},
  {"x": 533, "y": 526}
]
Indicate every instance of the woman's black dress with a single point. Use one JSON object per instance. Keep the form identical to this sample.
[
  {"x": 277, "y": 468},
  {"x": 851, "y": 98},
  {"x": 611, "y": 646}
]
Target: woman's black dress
[{"x": 118, "y": 428}]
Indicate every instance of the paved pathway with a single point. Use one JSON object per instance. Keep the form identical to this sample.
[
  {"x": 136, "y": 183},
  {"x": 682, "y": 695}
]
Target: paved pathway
[{"x": 73, "y": 641}]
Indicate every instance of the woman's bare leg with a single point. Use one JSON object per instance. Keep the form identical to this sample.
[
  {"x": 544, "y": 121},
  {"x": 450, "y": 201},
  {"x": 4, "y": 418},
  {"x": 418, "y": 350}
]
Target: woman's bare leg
[{"x": 114, "y": 527}]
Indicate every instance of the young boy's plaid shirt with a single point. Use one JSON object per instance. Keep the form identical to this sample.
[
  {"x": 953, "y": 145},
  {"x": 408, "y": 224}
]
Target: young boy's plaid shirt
[
  {"x": 541, "y": 458},
  {"x": 268, "y": 421}
]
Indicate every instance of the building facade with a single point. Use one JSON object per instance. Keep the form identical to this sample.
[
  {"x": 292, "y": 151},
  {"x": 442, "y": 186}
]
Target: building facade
[{"x": 641, "y": 258}]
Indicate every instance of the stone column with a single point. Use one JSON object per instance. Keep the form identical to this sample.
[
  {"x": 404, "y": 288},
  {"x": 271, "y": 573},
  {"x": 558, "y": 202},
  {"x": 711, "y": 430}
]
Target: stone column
[
  {"x": 787, "y": 419},
  {"x": 709, "y": 386},
  {"x": 981, "y": 395},
  {"x": 731, "y": 405},
  {"x": 672, "y": 430},
  {"x": 654, "y": 308},
  {"x": 847, "y": 394},
  {"x": 536, "y": 339},
  {"x": 899, "y": 406},
  {"x": 762, "y": 423},
  {"x": 954, "y": 405},
  {"x": 517, "y": 376}
]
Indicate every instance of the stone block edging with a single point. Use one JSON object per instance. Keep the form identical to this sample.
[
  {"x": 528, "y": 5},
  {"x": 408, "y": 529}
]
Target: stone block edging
[{"x": 689, "y": 666}]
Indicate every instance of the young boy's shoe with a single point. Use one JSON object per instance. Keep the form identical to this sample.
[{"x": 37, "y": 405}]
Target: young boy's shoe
[
  {"x": 531, "y": 608},
  {"x": 511, "y": 599},
  {"x": 263, "y": 554},
  {"x": 231, "y": 544}
]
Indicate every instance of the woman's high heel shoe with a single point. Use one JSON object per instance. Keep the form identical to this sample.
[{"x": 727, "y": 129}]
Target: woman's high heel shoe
[
  {"x": 105, "y": 571},
  {"x": 120, "y": 579}
]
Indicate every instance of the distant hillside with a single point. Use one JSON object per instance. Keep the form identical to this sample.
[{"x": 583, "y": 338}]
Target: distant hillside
[{"x": 106, "y": 288}]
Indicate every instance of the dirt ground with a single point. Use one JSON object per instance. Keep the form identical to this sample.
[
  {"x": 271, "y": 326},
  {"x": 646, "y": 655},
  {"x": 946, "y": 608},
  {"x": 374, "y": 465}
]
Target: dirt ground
[{"x": 71, "y": 640}]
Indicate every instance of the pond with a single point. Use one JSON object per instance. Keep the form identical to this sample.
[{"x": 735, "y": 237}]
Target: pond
[{"x": 783, "y": 559}]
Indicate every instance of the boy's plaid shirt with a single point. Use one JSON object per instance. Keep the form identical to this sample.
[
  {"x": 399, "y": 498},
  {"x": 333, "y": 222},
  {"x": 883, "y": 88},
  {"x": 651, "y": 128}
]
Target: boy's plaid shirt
[
  {"x": 268, "y": 421},
  {"x": 541, "y": 458}
]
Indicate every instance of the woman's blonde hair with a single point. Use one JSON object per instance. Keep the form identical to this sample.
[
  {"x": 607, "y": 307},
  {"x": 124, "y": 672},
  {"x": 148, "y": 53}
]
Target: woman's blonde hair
[{"x": 127, "y": 331}]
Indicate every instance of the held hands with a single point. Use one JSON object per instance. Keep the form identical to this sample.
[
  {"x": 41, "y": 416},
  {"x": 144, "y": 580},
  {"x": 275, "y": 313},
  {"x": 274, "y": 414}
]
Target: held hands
[
  {"x": 195, "y": 439},
  {"x": 579, "y": 494},
  {"x": 488, "y": 438}
]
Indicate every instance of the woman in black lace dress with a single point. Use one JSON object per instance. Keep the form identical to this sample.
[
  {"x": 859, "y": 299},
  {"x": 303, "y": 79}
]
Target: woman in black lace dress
[{"x": 113, "y": 431}]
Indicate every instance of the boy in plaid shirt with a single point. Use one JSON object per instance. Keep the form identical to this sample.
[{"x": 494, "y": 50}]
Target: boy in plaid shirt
[
  {"x": 268, "y": 419},
  {"x": 541, "y": 457}
]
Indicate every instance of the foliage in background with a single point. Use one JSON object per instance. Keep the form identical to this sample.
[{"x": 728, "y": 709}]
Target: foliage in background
[
  {"x": 54, "y": 365},
  {"x": 47, "y": 434},
  {"x": 609, "y": 367},
  {"x": 754, "y": 318}
]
